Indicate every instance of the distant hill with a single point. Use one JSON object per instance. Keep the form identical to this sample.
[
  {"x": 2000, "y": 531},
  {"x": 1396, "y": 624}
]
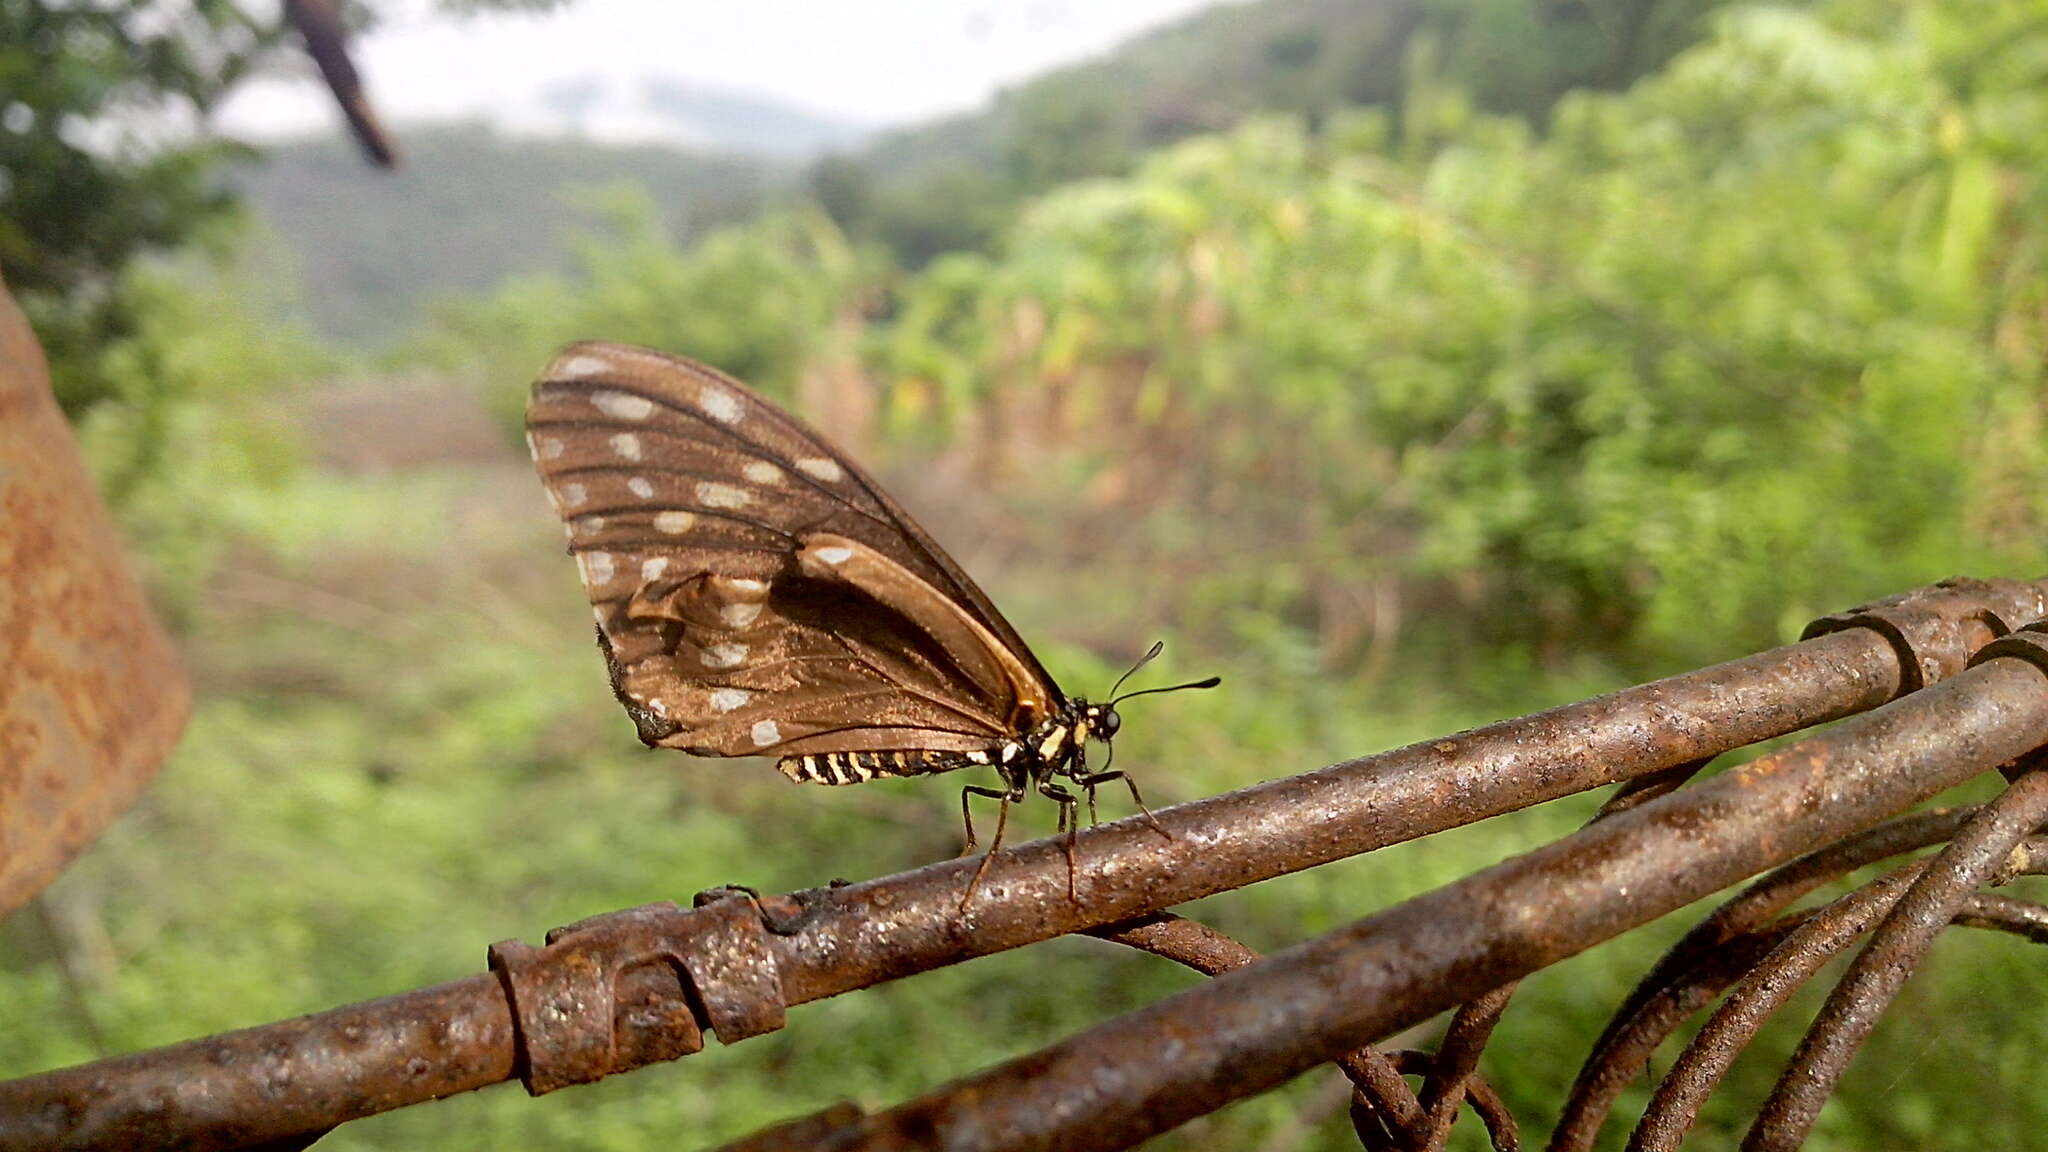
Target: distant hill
[
  {"x": 949, "y": 185},
  {"x": 472, "y": 207},
  {"x": 469, "y": 207},
  {"x": 655, "y": 110}
]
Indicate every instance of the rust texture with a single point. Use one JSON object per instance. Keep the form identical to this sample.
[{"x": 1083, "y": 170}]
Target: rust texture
[
  {"x": 1980, "y": 852},
  {"x": 298, "y": 1076},
  {"x": 91, "y": 693},
  {"x": 618, "y": 991},
  {"x": 1384, "y": 1111},
  {"x": 1250, "y": 1030},
  {"x": 1714, "y": 955}
]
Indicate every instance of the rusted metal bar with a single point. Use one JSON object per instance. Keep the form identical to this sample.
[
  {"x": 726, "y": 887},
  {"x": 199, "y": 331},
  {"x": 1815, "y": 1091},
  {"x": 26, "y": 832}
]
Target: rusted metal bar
[
  {"x": 1714, "y": 955},
  {"x": 1456, "y": 1067},
  {"x": 850, "y": 937},
  {"x": 1501, "y": 1130},
  {"x": 1819, "y": 939},
  {"x": 1393, "y": 1114},
  {"x": 1247, "y": 1031},
  {"x": 1981, "y": 851},
  {"x": 1472, "y": 1025},
  {"x": 912, "y": 922},
  {"x": 1186, "y": 942},
  {"x": 312, "y": 1071},
  {"x": 1706, "y": 1059},
  {"x": 91, "y": 693}
]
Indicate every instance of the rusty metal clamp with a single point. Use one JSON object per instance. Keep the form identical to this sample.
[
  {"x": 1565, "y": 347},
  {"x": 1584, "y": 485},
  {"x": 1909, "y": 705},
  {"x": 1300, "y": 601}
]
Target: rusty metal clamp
[
  {"x": 616, "y": 992},
  {"x": 1937, "y": 629},
  {"x": 2029, "y": 643}
]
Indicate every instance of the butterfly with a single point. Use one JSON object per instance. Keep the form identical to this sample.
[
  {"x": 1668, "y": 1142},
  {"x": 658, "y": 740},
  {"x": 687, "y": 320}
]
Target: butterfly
[{"x": 757, "y": 593}]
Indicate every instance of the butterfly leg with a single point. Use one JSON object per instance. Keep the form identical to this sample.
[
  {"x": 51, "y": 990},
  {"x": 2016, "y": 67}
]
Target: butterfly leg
[
  {"x": 1009, "y": 797},
  {"x": 1090, "y": 782},
  {"x": 966, "y": 817},
  {"x": 1069, "y": 823}
]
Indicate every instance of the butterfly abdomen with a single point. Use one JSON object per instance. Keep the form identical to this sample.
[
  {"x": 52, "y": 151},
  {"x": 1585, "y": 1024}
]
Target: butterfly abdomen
[{"x": 860, "y": 767}]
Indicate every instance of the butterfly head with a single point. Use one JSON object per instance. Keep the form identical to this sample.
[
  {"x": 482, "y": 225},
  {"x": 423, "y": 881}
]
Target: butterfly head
[{"x": 1101, "y": 720}]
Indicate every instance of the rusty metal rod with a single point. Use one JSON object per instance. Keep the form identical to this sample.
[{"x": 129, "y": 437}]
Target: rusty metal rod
[
  {"x": 1250, "y": 1030},
  {"x": 1472, "y": 1024},
  {"x": 1714, "y": 955},
  {"x": 912, "y": 921},
  {"x": 1821, "y": 937},
  {"x": 1761, "y": 992},
  {"x": 1980, "y": 853},
  {"x": 353, "y": 1061},
  {"x": 862, "y": 934}
]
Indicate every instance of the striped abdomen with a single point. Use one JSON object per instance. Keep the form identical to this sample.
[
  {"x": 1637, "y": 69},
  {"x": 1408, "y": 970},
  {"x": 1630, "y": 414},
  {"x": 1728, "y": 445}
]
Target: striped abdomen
[{"x": 860, "y": 767}]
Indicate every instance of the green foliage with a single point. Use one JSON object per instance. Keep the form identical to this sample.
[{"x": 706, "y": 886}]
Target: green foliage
[
  {"x": 190, "y": 425},
  {"x": 941, "y": 188},
  {"x": 81, "y": 195},
  {"x": 1759, "y": 338},
  {"x": 754, "y": 299}
]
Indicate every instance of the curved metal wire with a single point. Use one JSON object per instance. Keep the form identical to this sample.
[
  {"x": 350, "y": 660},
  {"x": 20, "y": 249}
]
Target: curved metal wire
[
  {"x": 1983, "y": 852},
  {"x": 1385, "y": 1111}
]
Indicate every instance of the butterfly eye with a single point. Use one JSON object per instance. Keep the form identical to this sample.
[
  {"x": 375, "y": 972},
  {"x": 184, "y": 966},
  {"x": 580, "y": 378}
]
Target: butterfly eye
[{"x": 1106, "y": 723}]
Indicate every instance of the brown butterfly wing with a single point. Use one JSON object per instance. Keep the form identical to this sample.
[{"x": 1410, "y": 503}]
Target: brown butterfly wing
[{"x": 690, "y": 503}]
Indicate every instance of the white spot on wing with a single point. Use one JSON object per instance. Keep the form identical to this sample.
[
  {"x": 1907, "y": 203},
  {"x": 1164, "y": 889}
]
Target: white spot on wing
[
  {"x": 765, "y": 733},
  {"x": 822, "y": 468},
  {"x": 723, "y": 495},
  {"x": 762, "y": 472},
  {"x": 720, "y": 404},
  {"x": 730, "y": 699},
  {"x": 835, "y": 554},
  {"x": 673, "y": 523},
  {"x": 623, "y": 405},
  {"x": 739, "y": 615},
  {"x": 598, "y": 567},
  {"x": 589, "y": 524},
  {"x": 573, "y": 495},
  {"x": 658, "y": 706},
  {"x": 652, "y": 569},
  {"x": 640, "y": 487},
  {"x": 576, "y": 367},
  {"x": 626, "y": 445},
  {"x": 724, "y": 655},
  {"x": 747, "y": 584}
]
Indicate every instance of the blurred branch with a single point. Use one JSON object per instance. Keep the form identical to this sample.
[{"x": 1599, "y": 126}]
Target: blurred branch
[{"x": 326, "y": 38}]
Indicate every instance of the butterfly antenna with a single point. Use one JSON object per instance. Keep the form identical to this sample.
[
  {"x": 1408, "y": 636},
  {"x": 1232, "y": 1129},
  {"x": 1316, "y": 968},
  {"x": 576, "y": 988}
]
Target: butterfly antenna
[
  {"x": 1150, "y": 655},
  {"x": 1211, "y": 682}
]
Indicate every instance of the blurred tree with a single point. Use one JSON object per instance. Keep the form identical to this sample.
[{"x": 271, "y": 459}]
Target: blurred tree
[
  {"x": 1761, "y": 335},
  {"x": 947, "y": 186},
  {"x": 105, "y": 152},
  {"x": 99, "y": 159}
]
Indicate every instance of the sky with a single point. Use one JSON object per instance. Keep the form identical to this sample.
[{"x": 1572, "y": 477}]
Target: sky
[{"x": 872, "y": 62}]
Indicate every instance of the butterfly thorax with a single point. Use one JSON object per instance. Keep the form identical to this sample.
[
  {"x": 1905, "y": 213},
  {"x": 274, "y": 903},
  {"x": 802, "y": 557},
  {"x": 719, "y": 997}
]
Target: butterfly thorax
[{"x": 1053, "y": 747}]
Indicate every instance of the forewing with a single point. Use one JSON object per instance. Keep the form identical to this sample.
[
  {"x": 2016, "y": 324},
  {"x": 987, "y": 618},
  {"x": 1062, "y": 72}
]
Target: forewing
[{"x": 687, "y": 498}]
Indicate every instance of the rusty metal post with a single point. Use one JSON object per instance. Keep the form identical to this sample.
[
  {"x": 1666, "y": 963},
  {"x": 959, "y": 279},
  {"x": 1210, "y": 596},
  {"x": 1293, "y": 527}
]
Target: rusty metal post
[
  {"x": 91, "y": 693},
  {"x": 1250, "y": 1030}
]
